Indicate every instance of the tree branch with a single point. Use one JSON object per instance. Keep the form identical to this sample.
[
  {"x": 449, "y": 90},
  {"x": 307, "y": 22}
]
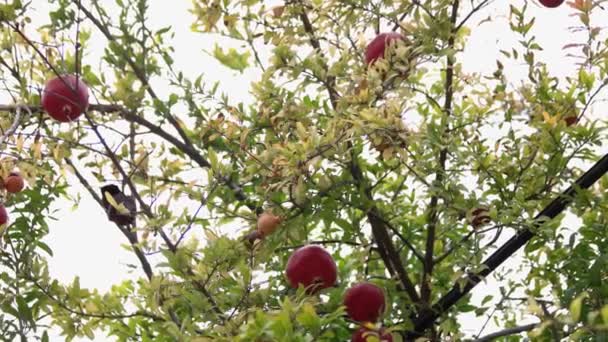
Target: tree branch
[
  {"x": 112, "y": 316},
  {"x": 15, "y": 124},
  {"x": 386, "y": 248},
  {"x": 138, "y": 252},
  {"x": 139, "y": 73},
  {"x": 510, "y": 247},
  {"x": 329, "y": 82},
  {"x": 425, "y": 284},
  {"x": 134, "y": 192},
  {"x": 507, "y": 332},
  {"x": 189, "y": 150}
]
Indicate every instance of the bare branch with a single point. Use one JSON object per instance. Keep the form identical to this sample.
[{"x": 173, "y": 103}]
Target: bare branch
[{"x": 507, "y": 332}]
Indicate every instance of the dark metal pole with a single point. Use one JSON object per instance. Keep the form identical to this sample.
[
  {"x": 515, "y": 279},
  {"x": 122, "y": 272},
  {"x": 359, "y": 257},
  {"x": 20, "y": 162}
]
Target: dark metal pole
[{"x": 426, "y": 319}]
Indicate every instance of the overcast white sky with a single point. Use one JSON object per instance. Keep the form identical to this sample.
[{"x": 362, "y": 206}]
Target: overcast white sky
[{"x": 85, "y": 245}]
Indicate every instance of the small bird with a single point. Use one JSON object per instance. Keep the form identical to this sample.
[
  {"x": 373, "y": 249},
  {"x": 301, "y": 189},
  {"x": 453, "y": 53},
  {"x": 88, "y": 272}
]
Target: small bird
[{"x": 119, "y": 207}]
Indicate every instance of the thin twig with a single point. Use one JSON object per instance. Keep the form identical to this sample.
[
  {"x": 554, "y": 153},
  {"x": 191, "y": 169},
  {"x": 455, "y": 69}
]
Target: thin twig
[
  {"x": 15, "y": 124},
  {"x": 507, "y": 332}
]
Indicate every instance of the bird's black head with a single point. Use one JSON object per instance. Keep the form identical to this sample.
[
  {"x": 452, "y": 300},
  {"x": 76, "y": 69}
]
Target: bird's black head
[{"x": 111, "y": 188}]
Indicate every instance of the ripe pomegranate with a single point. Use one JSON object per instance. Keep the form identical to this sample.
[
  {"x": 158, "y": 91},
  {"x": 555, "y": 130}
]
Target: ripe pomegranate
[
  {"x": 369, "y": 335},
  {"x": 3, "y": 215},
  {"x": 377, "y": 47},
  {"x": 65, "y": 98},
  {"x": 551, "y": 3},
  {"x": 14, "y": 183},
  {"x": 364, "y": 302},
  {"x": 267, "y": 223},
  {"x": 313, "y": 267}
]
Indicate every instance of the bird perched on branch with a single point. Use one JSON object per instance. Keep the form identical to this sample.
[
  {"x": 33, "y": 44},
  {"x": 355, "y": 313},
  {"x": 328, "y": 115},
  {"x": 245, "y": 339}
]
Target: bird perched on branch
[{"x": 119, "y": 207}]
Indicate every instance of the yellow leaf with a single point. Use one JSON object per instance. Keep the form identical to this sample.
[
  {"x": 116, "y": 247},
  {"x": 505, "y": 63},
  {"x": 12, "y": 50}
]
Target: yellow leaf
[
  {"x": 211, "y": 236},
  {"x": 243, "y": 138},
  {"x": 119, "y": 207},
  {"x": 605, "y": 313},
  {"x": 302, "y": 133},
  {"x": 19, "y": 143},
  {"x": 576, "y": 307},
  {"x": 300, "y": 192},
  {"x": 37, "y": 148},
  {"x": 388, "y": 153},
  {"x": 91, "y": 307},
  {"x": 369, "y": 325},
  {"x": 550, "y": 120},
  {"x": 142, "y": 161}
]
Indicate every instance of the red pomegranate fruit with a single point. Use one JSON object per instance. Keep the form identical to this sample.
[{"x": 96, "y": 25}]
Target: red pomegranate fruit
[
  {"x": 368, "y": 335},
  {"x": 3, "y": 215},
  {"x": 377, "y": 48},
  {"x": 313, "y": 267},
  {"x": 551, "y": 3},
  {"x": 65, "y": 98},
  {"x": 14, "y": 183},
  {"x": 364, "y": 302}
]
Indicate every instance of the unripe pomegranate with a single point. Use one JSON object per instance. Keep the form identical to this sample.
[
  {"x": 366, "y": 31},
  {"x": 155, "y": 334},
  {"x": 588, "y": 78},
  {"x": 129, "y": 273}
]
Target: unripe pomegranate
[
  {"x": 369, "y": 335},
  {"x": 14, "y": 183},
  {"x": 364, "y": 302},
  {"x": 551, "y": 3},
  {"x": 65, "y": 98},
  {"x": 267, "y": 223},
  {"x": 377, "y": 48},
  {"x": 313, "y": 267},
  {"x": 3, "y": 215}
]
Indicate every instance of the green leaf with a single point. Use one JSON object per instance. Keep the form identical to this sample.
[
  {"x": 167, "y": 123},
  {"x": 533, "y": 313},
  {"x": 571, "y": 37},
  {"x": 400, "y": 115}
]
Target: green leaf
[
  {"x": 24, "y": 310},
  {"x": 7, "y": 12},
  {"x": 308, "y": 317},
  {"x": 232, "y": 59},
  {"x": 45, "y": 247},
  {"x": 576, "y": 307}
]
